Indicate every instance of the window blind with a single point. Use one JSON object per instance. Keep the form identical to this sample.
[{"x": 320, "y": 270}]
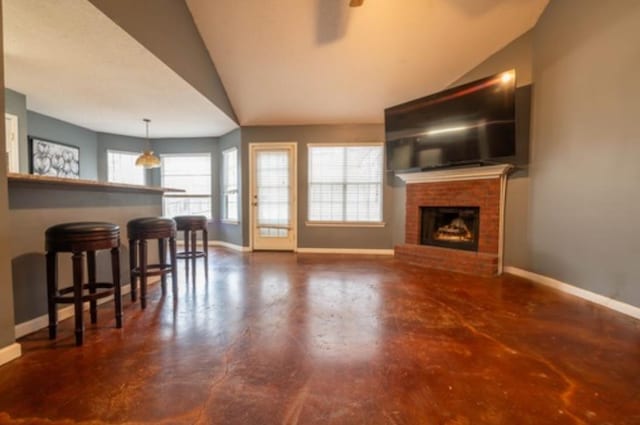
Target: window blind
[
  {"x": 121, "y": 168},
  {"x": 345, "y": 183},
  {"x": 192, "y": 173},
  {"x": 230, "y": 184}
]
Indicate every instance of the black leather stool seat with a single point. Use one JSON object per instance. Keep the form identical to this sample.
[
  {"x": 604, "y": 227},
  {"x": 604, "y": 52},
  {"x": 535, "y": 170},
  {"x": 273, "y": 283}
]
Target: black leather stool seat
[
  {"x": 151, "y": 228},
  {"x": 66, "y": 237},
  {"x": 139, "y": 231},
  {"x": 77, "y": 238},
  {"x": 191, "y": 222}
]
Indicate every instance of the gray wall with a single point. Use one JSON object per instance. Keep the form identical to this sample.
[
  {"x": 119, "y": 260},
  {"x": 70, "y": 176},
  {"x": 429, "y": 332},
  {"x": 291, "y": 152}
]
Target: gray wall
[
  {"x": 7, "y": 333},
  {"x": 320, "y": 237},
  {"x": 398, "y": 201},
  {"x": 516, "y": 55},
  {"x": 166, "y": 29},
  {"x": 585, "y": 168},
  {"x": 16, "y": 103},
  {"x": 230, "y": 232},
  {"x": 70, "y": 134},
  {"x": 106, "y": 141}
]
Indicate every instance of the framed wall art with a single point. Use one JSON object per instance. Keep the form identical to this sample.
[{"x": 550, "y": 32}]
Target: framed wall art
[{"x": 49, "y": 158}]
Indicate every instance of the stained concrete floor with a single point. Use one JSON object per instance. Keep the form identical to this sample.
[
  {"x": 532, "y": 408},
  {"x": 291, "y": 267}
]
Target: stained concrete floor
[{"x": 282, "y": 338}]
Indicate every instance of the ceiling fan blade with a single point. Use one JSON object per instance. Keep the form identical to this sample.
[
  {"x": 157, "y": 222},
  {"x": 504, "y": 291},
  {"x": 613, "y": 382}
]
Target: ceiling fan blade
[{"x": 355, "y": 3}]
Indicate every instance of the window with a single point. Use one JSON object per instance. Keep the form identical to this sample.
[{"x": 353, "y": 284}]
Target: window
[
  {"x": 192, "y": 173},
  {"x": 345, "y": 183},
  {"x": 230, "y": 185},
  {"x": 121, "y": 168}
]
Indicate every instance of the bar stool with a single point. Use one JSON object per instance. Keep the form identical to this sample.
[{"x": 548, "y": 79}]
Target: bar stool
[
  {"x": 190, "y": 225},
  {"x": 77, "y": 238},
  {"x": 139, "y": 231}
]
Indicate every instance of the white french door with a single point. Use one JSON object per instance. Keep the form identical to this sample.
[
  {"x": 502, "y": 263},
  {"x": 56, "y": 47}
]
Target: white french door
[{"x": 273, "y": 196}]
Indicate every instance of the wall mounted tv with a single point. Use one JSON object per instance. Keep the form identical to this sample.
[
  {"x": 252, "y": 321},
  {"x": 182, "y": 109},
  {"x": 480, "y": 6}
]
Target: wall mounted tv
[{"x": 472, "y": 123}]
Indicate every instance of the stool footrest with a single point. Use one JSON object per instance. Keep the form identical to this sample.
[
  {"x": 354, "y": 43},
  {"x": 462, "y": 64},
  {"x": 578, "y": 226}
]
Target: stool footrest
[
  {"x": 153, "y": 269},
  {"x": 106, "y": 289},
  {"x": 190, "y": 254}
]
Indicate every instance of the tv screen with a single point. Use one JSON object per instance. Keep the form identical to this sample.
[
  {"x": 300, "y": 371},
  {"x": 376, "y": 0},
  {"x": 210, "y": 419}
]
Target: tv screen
[{"x": 472, "y": 123}]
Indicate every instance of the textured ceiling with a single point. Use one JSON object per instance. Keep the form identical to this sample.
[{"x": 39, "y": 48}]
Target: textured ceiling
[
  {"x": 73, "y": 63},
  {"x": 319, "y": 61}
]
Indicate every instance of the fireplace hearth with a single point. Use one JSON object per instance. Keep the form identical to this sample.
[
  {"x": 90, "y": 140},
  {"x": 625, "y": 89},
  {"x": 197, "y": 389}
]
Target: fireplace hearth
[{"x": 450, "y": 227}]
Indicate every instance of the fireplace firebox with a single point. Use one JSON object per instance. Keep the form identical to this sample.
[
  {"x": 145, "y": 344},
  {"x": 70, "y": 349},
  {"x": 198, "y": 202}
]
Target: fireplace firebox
[{"x": 450, "y": 227}]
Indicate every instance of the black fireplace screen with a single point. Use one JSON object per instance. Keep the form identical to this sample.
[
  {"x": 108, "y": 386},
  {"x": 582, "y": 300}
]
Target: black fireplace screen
[{"x": 450, "y": 227}]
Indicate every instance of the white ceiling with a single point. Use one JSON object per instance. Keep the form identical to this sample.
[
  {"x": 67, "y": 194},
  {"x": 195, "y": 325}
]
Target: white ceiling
[
  {"x": 319, "y": 61},
  {"x": 75, "y": 64},
  {"x": 281, "y": 61}
]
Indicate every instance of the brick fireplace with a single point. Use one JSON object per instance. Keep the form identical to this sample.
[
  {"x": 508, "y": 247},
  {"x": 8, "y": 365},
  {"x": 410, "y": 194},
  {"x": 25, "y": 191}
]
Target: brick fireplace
[{"x": 457, "y": 192}]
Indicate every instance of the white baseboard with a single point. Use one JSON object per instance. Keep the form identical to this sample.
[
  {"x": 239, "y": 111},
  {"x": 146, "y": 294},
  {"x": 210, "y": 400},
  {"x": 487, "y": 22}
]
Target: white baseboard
[
  {"x": 223, "y": 244},
  {"x": 10, "y": 352},
  {"x": 41, "y": 322},
  {"x": 610, "y": 303},
  {"x": 345, "y": 251},
  {"x": 230, "y": 246}
]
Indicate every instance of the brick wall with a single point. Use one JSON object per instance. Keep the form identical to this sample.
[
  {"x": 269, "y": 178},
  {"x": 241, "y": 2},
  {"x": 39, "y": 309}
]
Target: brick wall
[{"x": 473, "y": 193}]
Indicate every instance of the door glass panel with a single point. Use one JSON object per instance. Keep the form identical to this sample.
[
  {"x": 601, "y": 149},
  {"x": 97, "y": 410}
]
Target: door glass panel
[{"x": 272, "y": 189}]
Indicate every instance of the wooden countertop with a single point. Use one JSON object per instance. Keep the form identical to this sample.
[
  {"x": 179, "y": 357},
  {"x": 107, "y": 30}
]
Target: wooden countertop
[{"x": 89, "y": 184}]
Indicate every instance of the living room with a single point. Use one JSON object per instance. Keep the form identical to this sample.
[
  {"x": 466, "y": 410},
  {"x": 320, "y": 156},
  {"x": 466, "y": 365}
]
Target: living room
[{"x": 569, "y": 208}]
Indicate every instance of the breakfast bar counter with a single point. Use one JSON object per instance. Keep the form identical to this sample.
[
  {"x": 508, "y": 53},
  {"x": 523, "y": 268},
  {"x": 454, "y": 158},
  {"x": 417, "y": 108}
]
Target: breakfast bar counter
[
  {"x": 38, "y": 202},
  {"x": 30, "y": 179}
]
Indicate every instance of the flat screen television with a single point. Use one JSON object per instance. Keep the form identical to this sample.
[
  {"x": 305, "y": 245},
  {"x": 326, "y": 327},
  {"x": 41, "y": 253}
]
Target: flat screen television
[{"x": 471, "y": 123}]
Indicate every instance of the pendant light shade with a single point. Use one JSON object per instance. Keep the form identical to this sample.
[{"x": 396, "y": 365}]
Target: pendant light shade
[{"x": 147, "y": 159}]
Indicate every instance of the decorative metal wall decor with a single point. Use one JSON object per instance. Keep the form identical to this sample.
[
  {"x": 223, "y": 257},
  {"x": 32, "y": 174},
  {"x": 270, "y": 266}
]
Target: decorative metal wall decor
[{"x": 49, "y": 158}]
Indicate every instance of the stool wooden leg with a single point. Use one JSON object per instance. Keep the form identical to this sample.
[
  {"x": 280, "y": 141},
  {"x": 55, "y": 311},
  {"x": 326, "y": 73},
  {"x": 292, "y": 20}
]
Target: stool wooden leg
[
  {"x": 186, "y": 252},
  {"x": 132, "y": 265},
  {"x": 143, "y": 273},
  {"x": 205, "y": 248},
  {"x": 52, "y": 290},
  {"x": 91, "y": 272},
  {"x": 115, "y": 275},
  {"x": 194, "y": 249},
  {"x": 174, "y": 266},
  {"x": 162, "y": 260},
  {"x": 77, "y": 296}
]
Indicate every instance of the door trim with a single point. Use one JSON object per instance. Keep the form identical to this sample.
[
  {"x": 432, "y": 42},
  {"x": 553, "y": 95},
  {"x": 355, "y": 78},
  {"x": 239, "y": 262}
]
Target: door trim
[
  {"x": 12, "y": 143},
  {"x": 294, "y": 186}
]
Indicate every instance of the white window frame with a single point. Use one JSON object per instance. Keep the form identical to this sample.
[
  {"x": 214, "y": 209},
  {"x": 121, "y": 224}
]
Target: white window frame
[
  {"x": 229, "y": 189},
  {"x": 181, "y": 194},
  {"x": 135, "y": 154},
  {"x": 344, "y": 223}
]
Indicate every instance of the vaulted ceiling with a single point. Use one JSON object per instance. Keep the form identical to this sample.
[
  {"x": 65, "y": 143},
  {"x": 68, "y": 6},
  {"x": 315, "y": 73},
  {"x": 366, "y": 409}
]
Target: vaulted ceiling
[
  {"x": 75, "y": 64},
  {"x": 281, "y": 61},
  {"x": 320, "y": 61}
]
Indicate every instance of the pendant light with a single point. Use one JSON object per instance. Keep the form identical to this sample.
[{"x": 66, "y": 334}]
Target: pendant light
[{"x": 147, "y": 159}]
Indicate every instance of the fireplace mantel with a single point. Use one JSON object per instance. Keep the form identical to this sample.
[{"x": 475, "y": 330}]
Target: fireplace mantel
[{"x": 457, "y": 174}]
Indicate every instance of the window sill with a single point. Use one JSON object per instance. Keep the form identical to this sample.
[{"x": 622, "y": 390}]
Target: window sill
[
  {"x": 344, "y": 224},
  {"x": 236, "y": 222}
]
